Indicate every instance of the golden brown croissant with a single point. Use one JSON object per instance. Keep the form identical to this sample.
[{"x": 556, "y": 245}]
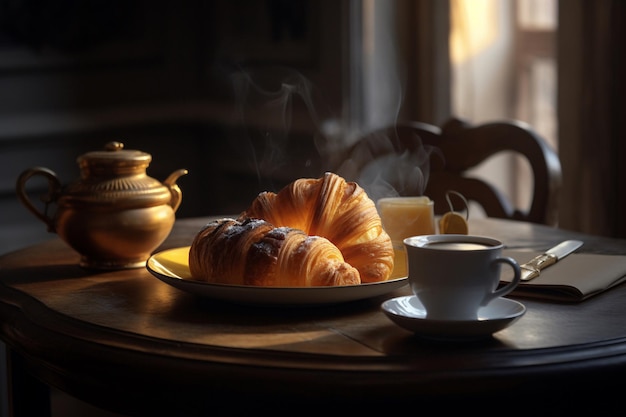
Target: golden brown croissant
[
  {"x": 340, "y": 211},
  {"x": 254, "y": 252}
]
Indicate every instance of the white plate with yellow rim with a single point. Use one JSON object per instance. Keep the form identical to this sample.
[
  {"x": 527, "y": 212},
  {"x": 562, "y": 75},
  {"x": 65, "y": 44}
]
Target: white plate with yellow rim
[{"x": 172, "y": 267}]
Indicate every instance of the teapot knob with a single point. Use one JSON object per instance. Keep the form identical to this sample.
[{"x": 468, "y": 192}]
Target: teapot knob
[
  {"x": 114, "y": 146},
  {"x": 170, "y": 183}
]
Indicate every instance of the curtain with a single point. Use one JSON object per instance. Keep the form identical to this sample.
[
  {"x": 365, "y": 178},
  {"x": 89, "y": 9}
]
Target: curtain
[{"x": 591, "y": 108}]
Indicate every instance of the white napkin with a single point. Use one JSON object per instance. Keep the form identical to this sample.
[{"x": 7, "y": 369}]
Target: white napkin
[{"x": 574, "y": 278}]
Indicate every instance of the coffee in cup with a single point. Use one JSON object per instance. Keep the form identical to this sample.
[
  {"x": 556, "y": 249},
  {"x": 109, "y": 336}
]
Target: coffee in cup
[{"x": 455, "y": 275}]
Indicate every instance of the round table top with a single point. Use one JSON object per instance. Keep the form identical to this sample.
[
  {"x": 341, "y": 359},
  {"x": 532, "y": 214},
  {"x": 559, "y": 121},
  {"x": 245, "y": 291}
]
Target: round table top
[{"x": 123, "y": 339}]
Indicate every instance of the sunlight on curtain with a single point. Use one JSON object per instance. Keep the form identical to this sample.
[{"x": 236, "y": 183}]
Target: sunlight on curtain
[{"x": 503, "y": 67}]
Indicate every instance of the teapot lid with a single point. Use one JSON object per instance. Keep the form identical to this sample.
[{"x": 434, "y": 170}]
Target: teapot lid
[
  {"x": 113, "y": 160},
  {"x": 115, "y": 177}
]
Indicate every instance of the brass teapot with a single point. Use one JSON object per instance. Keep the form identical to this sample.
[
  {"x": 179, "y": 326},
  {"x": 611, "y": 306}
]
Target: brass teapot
[{"x": 115, "y": 215}]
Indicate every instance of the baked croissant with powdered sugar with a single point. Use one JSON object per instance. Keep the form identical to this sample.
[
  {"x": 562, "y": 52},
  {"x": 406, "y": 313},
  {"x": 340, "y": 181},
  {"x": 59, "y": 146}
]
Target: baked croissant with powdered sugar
[
  {"x": 254, "y": 252},
  {"x": 313, "y": 232}
]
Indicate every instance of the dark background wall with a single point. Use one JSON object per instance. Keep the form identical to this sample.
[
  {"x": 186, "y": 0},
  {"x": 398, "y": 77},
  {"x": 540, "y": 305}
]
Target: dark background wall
[{"x": 240, "y": 93}]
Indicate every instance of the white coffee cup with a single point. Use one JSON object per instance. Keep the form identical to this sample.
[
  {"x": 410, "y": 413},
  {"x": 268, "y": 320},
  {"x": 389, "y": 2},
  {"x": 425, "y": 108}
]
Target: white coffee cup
[{"x": 455, "y": 275}]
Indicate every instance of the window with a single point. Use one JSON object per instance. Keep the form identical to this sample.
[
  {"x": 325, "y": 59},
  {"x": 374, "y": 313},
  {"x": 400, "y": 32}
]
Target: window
[{"x": 504, "y": 67}]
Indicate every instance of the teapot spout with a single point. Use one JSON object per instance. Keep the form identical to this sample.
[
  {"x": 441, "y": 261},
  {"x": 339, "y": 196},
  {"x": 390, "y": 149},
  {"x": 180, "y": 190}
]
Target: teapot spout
[{"x": 177, "y": 194}]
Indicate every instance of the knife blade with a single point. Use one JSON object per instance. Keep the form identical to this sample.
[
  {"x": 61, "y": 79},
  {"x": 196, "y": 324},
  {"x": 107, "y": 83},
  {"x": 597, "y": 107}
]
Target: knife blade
[{"x": 532, "y": 269}]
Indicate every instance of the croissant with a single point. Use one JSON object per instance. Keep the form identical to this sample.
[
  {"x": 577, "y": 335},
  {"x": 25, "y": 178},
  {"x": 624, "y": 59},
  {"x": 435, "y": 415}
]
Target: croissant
[
  {"x": 254, "y": 252},
  {"x": 337, "y": 210}
]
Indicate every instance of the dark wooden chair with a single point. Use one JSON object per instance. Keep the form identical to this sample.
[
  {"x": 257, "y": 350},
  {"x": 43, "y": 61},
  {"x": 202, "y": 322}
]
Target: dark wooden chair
[{"x": 416, "y": 158}]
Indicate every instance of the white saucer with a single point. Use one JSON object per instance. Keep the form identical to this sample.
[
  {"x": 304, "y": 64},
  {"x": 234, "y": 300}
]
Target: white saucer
[{"x": 409, "y": 313}]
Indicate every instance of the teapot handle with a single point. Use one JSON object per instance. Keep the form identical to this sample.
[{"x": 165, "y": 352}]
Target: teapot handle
[
  {"x": 54, "y": 190},
  {"x": 177, "y": 194}
]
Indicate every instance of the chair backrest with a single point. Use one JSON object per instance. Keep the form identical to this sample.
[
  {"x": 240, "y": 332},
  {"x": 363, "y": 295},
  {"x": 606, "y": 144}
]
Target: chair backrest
[{"x": 416, "y": 158}]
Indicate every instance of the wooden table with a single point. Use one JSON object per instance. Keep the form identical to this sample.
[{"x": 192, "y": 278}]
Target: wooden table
[{"x": 127, "y": 342}]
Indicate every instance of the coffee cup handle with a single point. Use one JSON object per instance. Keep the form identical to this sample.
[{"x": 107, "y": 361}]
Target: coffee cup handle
[{"x": 504, "y": 290}]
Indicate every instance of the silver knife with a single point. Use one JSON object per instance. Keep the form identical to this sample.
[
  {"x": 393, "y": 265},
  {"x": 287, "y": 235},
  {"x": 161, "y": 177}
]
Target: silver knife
[{"x": 533, "y": 268}]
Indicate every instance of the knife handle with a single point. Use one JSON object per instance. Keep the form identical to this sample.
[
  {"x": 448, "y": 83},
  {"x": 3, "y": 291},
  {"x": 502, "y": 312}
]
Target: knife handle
[{"x": 533, "y": 268}]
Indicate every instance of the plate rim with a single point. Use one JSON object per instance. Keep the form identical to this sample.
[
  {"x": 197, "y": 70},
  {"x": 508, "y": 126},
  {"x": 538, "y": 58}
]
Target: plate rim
[{"x": 304, "y": 295}]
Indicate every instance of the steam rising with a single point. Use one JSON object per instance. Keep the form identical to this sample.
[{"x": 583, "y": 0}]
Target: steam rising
[
  {"x": 266, "y": 110},
  {"x": 382, "y": 171}
]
